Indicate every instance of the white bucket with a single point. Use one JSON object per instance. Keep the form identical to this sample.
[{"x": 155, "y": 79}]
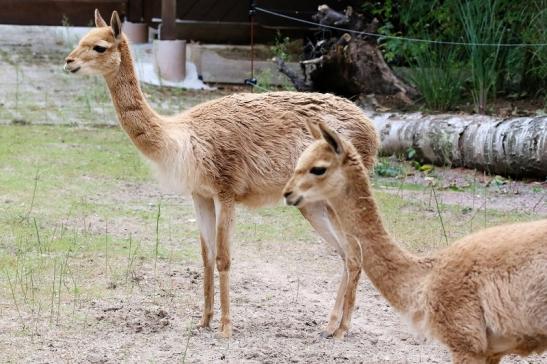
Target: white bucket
[{"x": 170, "y": 59}]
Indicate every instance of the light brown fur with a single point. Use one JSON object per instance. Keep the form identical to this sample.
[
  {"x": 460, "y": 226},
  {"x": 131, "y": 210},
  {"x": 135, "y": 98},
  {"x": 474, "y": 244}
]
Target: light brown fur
[
  {"x": 484, "y": 296},
  {"x": 237, "y": 149}
]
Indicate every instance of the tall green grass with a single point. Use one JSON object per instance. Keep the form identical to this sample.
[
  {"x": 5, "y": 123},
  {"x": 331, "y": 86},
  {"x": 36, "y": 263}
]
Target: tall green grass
[
  {"x": 438, "y": 76},
  {"x": 482, "y": 26}
]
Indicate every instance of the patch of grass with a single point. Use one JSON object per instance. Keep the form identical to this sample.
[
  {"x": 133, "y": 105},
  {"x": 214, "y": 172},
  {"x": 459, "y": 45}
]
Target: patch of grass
[
  {"x": 61, "y": 187},
  {"x": 418, "y": 226}
]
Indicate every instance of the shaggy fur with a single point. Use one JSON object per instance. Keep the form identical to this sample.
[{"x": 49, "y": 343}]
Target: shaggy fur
[
  {"x": 484, "y": 296},
  {"x": 237, "y": 149}
]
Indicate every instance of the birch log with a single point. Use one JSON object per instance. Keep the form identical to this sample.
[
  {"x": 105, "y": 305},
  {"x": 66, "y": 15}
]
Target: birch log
[{"x": 513, "y": 147}]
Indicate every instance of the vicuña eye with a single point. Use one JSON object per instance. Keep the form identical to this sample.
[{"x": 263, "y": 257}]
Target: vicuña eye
[
  {"x": 318, "y": 170},
  {"x": 99, "y": 49}
]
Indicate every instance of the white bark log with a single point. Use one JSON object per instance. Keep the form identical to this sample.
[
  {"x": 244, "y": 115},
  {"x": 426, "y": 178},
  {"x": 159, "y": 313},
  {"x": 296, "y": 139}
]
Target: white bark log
[{"x": 515, "y": 147}]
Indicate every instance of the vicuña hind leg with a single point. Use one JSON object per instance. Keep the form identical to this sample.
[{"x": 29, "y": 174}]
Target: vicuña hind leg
[
  {"x": 324, "y": 222},
  {"x": 205, "y": 214}
]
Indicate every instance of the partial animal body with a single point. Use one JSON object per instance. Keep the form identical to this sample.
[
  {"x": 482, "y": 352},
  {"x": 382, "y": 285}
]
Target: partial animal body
[
  {"x": 239, "y": 149},
  {"x": 485, "y": 296}
]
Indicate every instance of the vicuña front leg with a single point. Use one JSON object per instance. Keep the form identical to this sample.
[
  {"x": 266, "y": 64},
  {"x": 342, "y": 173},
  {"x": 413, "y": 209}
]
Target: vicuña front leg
[
  {"x": 205, "y": 213},
  {"x": 320, "y": 218},
  {"x": 353, "y": 266},
  {"x": 225, "y": 212},
  {"x": 337, "y": 310}
]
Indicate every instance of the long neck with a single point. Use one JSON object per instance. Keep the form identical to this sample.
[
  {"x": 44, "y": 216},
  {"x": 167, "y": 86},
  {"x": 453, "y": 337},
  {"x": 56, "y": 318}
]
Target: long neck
[
  {"x": 395, "y": 272},
  {"x": 137, "y": 118}
]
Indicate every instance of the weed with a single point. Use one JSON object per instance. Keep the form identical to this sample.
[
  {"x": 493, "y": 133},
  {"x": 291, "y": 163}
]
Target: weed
[{"x": 156, "y": 247}]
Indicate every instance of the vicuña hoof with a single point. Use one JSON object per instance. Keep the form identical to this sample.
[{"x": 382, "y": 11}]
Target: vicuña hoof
[
  {"x": 339, "y": 333},
  {"x": 204, "y": 322},
  {"x": 326, "y": 334},
  {"x": 225, "y": 329}
]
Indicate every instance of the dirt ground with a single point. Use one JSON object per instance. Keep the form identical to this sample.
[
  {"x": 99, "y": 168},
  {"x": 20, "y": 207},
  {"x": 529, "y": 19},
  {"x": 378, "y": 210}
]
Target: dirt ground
[
  {"x": 282, "y": 287},
  {"x": 281, "y": 295}
]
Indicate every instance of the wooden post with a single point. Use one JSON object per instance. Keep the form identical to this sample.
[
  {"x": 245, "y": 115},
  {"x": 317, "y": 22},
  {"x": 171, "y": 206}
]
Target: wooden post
[
  {"x": 168, "y": 20},
  {"x": 135, "y": 11}
]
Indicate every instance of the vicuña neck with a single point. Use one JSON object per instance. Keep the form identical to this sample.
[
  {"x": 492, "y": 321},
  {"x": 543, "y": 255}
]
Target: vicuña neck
[
  {"x": 395, "y": 272},
  {"x": 137, "y": 118}
]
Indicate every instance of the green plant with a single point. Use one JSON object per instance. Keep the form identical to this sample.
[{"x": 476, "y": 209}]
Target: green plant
[
  {"x": 280, "y": 49},
  {"x": 482, "y": 26},
  {"x": 385, "y": 169},
  {"x": 438, "y": 74}
]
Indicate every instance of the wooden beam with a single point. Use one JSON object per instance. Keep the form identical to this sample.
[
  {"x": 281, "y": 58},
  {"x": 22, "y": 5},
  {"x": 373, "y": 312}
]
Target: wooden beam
[
  {"x": 168, "y": 19},
  {"x": 57, "y": 12}
]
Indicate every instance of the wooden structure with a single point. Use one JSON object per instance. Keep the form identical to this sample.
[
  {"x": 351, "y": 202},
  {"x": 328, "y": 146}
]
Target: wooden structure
[{"x": 208, "y": 21}]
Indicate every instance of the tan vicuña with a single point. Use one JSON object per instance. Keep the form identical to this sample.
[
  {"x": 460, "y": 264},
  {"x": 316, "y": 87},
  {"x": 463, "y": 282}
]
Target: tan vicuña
[{"x": 484, "y": 296}]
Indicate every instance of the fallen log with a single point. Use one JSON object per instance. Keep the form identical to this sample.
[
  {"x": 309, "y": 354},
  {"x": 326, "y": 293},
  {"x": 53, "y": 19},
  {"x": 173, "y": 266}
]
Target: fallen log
[{"x": 514, "y": 147}]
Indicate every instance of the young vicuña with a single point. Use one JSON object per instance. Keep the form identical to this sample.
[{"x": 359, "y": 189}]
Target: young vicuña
[
  {"x": 484, "y": 296},
  {"x": 237, "y": 149}
]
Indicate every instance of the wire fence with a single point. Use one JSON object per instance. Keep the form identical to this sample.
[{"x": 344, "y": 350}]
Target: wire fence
[{"x": 278, "y": 13}]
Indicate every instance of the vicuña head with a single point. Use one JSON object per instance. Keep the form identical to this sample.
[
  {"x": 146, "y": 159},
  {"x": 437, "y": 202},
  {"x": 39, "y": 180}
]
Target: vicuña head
[
  {"x": 98, "y": 52},
  {"x": 318, "y": 174}
]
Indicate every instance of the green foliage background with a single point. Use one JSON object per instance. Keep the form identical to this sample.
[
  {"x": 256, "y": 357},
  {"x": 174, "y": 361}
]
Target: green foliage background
[{"x": 516, "y": 71}]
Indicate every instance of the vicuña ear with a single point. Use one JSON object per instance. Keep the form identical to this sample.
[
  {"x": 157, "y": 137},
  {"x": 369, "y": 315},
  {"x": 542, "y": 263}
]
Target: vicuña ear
[
  {"x": 313, "y": 129},
  {"x": 116, "y": 24},
  {"x": 99, "y": 21},
  {"x": 331, "y": 137}
]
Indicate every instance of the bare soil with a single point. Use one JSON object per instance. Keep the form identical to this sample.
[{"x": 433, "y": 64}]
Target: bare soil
[
  {"x": 473, "y": 190},
  {"x": 282, "y": 292}
]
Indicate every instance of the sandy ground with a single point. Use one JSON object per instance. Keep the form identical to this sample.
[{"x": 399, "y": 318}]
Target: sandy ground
[
  {"x": 282, "y": 292},
  {"x": 280, "y": 301}
]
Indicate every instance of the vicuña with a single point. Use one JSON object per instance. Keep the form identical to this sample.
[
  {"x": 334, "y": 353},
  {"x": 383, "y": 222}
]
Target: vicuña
[{"x": 484, "y": 296}]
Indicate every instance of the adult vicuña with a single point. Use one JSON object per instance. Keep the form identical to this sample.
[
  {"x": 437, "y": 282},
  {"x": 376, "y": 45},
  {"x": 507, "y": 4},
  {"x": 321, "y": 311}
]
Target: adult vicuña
[
  {"x": 237, "y": 149},
  {"x": 484, "y": 296}
]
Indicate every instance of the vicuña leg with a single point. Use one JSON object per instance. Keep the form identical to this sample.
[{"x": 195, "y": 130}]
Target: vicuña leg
[
  {"x": 205, "y": 213},
  {"x": 353, "y": 264},
  {"x": 225, "y": 211},
  {"x": 324, "y": 222}
]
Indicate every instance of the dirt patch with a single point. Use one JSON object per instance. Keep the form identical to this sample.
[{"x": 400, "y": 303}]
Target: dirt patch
[
  {"x": 281, "y": 296},
  {"x": 470, "y": 189}
]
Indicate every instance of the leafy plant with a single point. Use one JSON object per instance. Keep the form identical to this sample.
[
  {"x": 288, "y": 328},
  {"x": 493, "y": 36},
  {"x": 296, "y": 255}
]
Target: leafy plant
[
  {"x": 280, "y": 49},
  {"x": 481, "y": 26},
  {"x": 385, "y": 169}
]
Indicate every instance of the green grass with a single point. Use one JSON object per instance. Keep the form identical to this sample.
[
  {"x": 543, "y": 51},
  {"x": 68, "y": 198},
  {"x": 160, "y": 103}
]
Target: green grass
[
  {"x": 417, "y": 225},
  {"x": 66, "y": 209}
]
